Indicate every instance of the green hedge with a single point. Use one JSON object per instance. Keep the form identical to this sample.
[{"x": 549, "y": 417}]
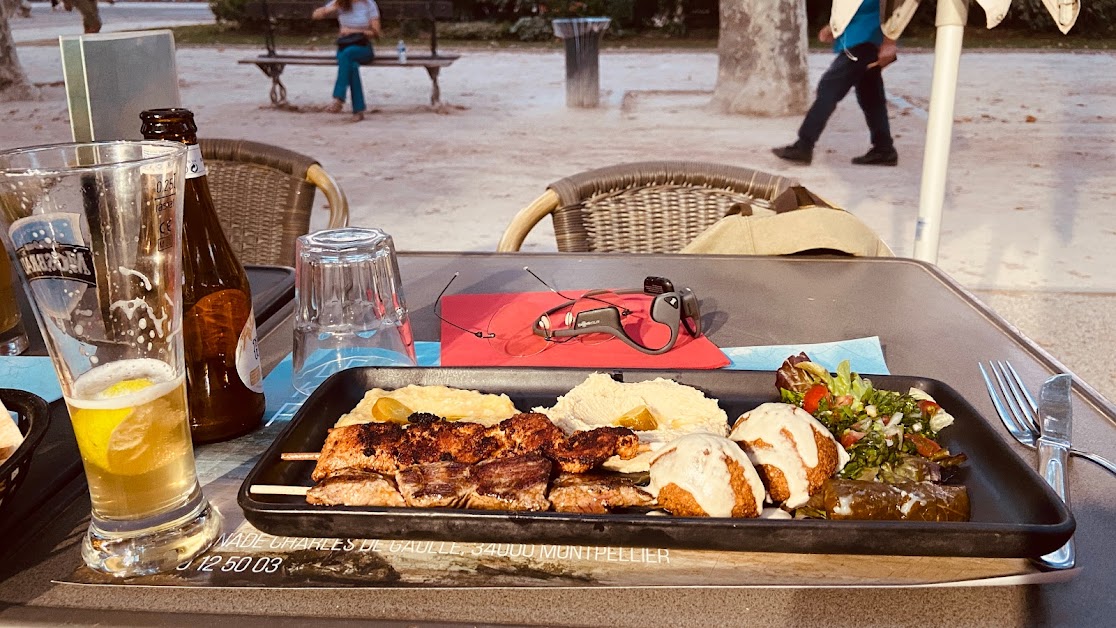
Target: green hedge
[
  {"x": 228, "y": 10},
  {"x": 528, "y": 19}
]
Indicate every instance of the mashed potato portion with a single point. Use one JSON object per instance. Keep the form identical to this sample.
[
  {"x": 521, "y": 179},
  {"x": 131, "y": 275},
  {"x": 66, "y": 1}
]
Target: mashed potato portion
[
  {"x": 601, "y": 401},
  {"x": 450, "y": 403}
]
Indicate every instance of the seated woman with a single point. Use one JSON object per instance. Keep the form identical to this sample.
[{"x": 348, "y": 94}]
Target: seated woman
[{"x": 359, "y": 22}]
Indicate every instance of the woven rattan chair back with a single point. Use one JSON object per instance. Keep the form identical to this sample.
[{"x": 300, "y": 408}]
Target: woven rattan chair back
[
  {"x": 646, "y": 207},
  {"x": 264, "y": 196}
]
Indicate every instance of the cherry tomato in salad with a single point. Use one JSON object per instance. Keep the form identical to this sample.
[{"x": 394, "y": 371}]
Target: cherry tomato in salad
[
  {"x": 926, "y": 447},
  {"x": 850, "y": 437},
  {"x": 813, "y": 397},
  {"x": 928, "y": 408}
]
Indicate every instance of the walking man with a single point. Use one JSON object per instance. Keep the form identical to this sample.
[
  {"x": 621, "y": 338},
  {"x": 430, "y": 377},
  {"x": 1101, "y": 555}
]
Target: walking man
[{"x": 862, "y": 53}]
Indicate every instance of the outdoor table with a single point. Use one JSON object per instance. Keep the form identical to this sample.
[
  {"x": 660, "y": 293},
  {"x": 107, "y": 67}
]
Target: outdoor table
[{"x": 928, "y": 326}]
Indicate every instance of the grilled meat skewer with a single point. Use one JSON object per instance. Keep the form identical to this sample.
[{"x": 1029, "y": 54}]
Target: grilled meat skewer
[
  {"x": 356, "y": 488},
  {"x": 509, "y": 483},
  {"x": 517, "y": 483},
  {"x": 388, "y": 447},
  {"x": 596, "y": 493}
]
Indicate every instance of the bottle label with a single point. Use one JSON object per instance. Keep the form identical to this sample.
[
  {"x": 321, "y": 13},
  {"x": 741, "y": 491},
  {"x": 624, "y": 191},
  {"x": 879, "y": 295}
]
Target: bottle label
[
  {"x": 248, "y": 356},
  {"x": 195, "y": 166}
]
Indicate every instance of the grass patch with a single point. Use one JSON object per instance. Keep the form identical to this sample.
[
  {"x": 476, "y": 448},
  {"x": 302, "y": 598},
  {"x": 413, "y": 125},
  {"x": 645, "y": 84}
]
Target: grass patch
[{"x": 323, "y": 35}]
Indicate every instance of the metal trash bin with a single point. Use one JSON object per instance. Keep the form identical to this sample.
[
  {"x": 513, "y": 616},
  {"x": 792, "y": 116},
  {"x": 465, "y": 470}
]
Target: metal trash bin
[{"x": 583, "y": 43}]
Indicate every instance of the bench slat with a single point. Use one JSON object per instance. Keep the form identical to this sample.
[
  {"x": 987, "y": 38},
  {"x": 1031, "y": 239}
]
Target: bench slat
[{"x": 418, "y": 61}]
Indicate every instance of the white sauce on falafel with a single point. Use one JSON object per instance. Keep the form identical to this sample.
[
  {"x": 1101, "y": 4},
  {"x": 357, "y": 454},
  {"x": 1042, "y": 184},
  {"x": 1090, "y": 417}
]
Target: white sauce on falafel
[
  {"x": 788, "y": 433},
  {"x": 698, "y": 464}
]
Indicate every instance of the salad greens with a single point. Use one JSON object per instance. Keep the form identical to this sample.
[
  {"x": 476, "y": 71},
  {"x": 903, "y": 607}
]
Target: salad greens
[{"x": 889, "y": 436}]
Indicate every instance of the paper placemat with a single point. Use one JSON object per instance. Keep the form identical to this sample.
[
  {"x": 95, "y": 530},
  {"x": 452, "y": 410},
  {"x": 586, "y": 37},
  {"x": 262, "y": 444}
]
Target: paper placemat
[
  {"x": 32, "y": 373},
  {"x": 865, "y": 355}
]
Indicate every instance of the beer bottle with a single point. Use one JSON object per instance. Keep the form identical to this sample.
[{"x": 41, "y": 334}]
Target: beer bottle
[{"x": 223, "y": 375}]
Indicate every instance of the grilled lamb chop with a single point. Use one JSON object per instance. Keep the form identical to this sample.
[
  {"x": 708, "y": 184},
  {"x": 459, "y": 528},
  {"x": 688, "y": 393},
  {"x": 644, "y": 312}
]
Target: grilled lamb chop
[
  {"x": 436, "y": 484},
  {"x": 355, "y": 488},
  {"x": 596, "y": 493},
  {"x": 512, "y": 483}
]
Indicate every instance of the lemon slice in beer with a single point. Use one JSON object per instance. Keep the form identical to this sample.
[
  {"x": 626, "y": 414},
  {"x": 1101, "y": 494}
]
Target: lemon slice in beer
[
  {"x": 94, "y": 428},
  {"x": 144, "y": 440}
]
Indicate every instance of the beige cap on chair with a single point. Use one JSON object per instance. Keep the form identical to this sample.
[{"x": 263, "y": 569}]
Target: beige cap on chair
[{"x": 789, "y": 232}]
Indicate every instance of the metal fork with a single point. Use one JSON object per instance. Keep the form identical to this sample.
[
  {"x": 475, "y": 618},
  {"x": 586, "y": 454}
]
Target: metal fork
[{"x": 1018, "y": 410}]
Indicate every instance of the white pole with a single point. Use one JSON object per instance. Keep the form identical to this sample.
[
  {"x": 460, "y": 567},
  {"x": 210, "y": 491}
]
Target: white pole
[{"x": 950, "y": 22}]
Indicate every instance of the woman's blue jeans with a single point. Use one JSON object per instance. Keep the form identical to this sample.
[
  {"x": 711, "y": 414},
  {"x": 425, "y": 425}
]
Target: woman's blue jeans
[
  {"x": 348, "y": 74},
  {"x": 850, "y": 71}
]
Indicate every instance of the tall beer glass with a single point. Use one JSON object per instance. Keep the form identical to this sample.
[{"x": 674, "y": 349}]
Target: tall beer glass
[{"x": 95, "y": 229}]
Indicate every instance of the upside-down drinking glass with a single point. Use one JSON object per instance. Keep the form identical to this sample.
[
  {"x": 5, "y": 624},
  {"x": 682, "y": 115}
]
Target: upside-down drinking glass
[{"x": 351, "y": 310}]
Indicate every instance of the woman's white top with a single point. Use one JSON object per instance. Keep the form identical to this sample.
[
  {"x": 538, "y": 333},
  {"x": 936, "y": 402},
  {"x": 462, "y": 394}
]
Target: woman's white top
[{"x": 363, "y": 12}]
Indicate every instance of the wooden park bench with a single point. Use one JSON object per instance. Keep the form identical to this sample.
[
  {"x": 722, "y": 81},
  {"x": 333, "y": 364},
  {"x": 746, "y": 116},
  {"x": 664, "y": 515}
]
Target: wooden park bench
[{"x": 273, "y": 12}]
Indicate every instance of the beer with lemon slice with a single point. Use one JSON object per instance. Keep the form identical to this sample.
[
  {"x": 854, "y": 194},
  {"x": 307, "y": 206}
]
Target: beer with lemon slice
[{"x": 132, "y": 430}]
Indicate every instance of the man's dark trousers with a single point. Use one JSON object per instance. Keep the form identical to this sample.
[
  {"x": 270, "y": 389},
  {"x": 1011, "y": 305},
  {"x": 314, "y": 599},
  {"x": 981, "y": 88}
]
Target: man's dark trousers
[{"x": 844, "y": 74}]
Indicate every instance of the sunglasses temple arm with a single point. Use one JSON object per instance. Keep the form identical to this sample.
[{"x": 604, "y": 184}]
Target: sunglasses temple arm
[{"x": 438, "y": 313}]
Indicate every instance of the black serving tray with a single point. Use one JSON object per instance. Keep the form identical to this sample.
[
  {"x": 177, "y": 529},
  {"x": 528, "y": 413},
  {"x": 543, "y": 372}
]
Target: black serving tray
[{"x": 1014, "y": 513}]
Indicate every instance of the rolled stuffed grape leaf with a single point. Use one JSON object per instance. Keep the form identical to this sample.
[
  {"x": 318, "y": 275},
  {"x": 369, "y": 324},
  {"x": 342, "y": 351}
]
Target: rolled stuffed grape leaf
[{"x": 907, "y": 501}]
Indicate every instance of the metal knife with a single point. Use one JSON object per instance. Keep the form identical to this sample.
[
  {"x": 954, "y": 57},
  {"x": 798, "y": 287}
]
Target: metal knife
[{"x": 1053, "y": 449}]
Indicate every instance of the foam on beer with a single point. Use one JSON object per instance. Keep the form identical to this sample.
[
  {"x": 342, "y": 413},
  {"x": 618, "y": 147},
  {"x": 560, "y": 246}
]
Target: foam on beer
[{"x": 88, "y": 387}]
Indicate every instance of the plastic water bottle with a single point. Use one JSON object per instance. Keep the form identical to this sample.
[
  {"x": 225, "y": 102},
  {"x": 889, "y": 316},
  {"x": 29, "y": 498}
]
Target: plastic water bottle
[{"x": 401, "y": 49}]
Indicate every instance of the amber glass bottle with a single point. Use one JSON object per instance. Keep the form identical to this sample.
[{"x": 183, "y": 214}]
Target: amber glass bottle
[{"x": 223, "y": 376}]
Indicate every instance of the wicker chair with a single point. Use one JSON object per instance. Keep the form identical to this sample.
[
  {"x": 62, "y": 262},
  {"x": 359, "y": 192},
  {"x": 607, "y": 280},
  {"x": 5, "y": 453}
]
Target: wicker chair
[
  {"x": 264, "y": 196},
  {"x": 647, "y": 207}
]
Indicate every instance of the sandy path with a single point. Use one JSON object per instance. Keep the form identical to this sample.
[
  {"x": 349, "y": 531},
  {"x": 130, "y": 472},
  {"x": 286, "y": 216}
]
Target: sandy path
[
  {"x": 1029, "y": 206},
  {"x": 1028, "y": 202}
]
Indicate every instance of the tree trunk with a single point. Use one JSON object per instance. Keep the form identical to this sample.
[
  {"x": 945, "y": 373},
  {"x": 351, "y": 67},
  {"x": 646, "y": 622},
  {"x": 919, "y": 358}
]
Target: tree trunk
[
  {"x": 13, "y": 82},
  {"x": 762, "y": 51}
]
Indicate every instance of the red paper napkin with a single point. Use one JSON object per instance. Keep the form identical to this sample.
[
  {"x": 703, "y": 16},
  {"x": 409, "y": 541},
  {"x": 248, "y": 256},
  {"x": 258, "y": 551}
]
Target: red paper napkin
[{"x": 510, "y": 317}]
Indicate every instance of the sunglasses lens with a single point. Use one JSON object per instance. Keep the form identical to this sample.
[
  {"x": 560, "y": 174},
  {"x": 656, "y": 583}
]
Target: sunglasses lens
[{"x": 511, "y": 327}]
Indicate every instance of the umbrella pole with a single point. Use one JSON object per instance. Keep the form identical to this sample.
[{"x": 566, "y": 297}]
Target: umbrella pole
[{"x": 950, "y": 22}]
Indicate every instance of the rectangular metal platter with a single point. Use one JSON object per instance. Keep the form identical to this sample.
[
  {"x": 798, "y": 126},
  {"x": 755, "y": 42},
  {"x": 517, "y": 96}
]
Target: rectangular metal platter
[{"x": 1014, "y": 513}]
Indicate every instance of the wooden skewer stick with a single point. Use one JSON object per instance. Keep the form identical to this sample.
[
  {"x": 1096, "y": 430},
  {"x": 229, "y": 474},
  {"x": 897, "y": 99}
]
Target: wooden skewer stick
[
  {"x": 278, "y": 489},
  {"x": 300, "y": 455},
  {"x": 314, "y": 455}
]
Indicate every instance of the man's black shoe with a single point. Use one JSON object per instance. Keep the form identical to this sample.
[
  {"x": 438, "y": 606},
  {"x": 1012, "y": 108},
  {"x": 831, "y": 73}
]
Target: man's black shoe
[
  {"x": 878, "y": 157},
  {"x": 795, "y": 153}
]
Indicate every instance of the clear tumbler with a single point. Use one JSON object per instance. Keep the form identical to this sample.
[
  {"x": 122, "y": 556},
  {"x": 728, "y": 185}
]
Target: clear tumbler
[
  {"x": 351, "y": 310},
  {"x": 95, "y": 229}
]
